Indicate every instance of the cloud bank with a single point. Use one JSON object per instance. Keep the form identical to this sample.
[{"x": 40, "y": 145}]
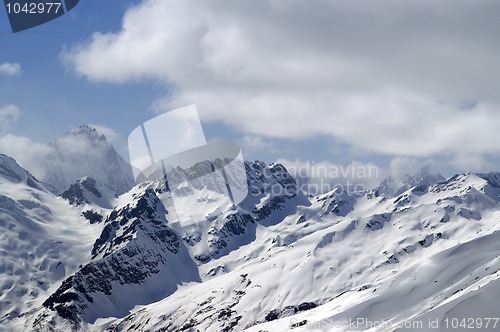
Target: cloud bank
[{"x": 416, "y": 79}]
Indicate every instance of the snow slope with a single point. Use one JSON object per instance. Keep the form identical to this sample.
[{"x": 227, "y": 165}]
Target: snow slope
[
  {"x": 42, "y": 239},
  {"x": 389, "y": 260},
  {"x": 422, "y": 250}
]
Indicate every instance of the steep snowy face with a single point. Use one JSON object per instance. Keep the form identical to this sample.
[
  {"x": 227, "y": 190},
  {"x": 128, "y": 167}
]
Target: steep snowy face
[
  {"x": 337, "y": 202},
  {"x": 137, "y": 259},
  {"x": 273, "y": 193},
  {"x": 10, "y": 171},
  {"x": 83, "y": 152},
  {"x": 42, "y": 240},
  {"x": 86, "y": 191},
  {"x": 492, "y": 186},
  {"x": 93, "y": 200},
  {"x": 222, "y": 227}
]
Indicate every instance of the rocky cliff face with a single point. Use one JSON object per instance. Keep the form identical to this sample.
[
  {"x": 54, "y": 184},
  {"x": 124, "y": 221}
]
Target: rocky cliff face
[{"x": 138, "y": 258}]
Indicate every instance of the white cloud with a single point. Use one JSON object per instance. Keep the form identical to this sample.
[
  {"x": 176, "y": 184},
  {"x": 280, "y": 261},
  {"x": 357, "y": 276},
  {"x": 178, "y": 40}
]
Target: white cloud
[
  {"x": 252, "y": 144},
  {"x": 401, "y": 166},
  {"x": 9, "y": 114},
  {"x": 473, "y": 162},
  {"x": 10, "y": 69},
  {"x": 36, "y": 157},
  {"x": 110, "y": 134},
  {"x": 386, "y": 78}
]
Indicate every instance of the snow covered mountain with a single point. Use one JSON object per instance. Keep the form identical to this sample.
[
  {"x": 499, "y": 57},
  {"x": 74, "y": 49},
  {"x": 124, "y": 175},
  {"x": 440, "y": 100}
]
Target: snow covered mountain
[
  {"x": 84, "y": 152},
  {"x": 42, "y": 240},
  {"x": 422, "y": 250}
]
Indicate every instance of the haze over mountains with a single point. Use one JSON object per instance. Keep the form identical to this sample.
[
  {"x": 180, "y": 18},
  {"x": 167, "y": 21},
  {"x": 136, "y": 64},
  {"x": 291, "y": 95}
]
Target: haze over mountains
[{"x": 85, "y": 249}]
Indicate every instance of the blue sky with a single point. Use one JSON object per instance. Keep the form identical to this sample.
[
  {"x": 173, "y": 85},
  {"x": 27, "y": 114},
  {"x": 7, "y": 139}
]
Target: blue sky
[
  {"x": 51, "y": 97},
  {"x": 332, "y": 82}
]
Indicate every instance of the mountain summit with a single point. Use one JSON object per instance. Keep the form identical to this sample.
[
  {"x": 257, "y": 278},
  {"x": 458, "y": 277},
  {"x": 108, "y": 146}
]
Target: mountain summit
[{"x": 84, "y": 152}]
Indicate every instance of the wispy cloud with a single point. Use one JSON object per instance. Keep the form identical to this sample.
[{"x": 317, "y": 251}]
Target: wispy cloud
[
  {"x": 252, "y": 144},
  {"x": 9, "y": 114},
  {"x": 10, "y": 69},
  {"x": 34, "y": 156},
  {"x": 110, "y": 134}
]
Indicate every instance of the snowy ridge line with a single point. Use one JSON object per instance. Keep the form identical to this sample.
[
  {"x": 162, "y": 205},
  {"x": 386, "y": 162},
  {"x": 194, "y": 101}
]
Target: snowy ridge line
[{"x": 425, "y": 250}]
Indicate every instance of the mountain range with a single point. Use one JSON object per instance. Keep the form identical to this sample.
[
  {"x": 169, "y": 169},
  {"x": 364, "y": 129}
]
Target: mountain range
[{"x": 86, "y": 249}]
